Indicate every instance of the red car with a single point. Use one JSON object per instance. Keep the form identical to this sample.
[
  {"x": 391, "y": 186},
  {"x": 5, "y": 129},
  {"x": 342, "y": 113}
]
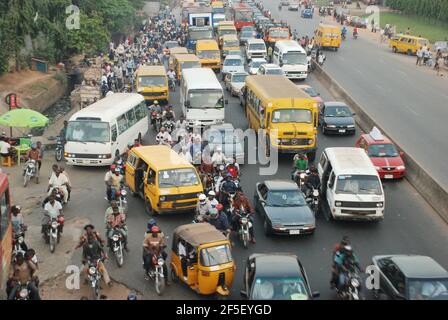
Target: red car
[{"x": 384, "y": 155}]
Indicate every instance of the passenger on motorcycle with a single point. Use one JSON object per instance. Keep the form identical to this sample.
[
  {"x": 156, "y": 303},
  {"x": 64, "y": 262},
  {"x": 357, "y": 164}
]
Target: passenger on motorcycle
[
  {"x": 345, "y": 261},
  {"x": 240, "y": 201},
  {"x": 23, "y": 272},
  {"x": 300, "y": 165},
  {"x": 116, "y": 220},
  {"x": 202, "y": 208},
  {"x": 312, "y": 182},
  {"x": 233, "y": 168},
  {"x": 154, "y": 245},
  {"x": 185, "y": 154}
]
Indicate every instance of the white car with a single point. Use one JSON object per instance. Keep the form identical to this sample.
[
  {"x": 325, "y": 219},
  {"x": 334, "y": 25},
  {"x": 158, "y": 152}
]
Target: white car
[
  {"x": 270, "y": 68},
  {"x": 235, "y": 82},
  {"x": 255, "y": 64},
  {"x": 231, "y": 64}
]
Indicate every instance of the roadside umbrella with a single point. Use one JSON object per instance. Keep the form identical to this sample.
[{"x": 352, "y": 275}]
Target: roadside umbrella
[{"x": 23, "y": 118}]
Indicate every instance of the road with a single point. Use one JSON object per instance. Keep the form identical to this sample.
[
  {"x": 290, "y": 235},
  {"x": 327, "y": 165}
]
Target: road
[
  {"x": 408, "y": 102},
  {"x": 410, "y": 224}
]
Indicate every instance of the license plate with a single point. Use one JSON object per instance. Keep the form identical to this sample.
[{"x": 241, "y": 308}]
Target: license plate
[
  {"x": 292, "y": 232},
  {"x": 342, "y": 131},
  {"x": 388, "y": 176}
]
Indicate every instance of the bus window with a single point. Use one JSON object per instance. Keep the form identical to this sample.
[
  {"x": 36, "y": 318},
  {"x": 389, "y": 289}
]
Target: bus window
[
  {"x": 5, "y": 218},
  {"x": 130, "y": 115},
  {"x": 114, "y": 133},
  {"x": 122, "y": 123},
  {"x": 140, "y": 111}
]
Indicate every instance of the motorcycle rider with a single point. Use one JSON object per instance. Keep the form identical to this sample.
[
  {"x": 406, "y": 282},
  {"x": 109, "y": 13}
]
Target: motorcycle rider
[
  {"x": 336, "y": 248},
  {"x": 219, "y": 221},
  {"x": 168, "y": 113},
  {"x": 300, "y": 165},
  {"x": 211, "y": 200},
  {"x": 202, "y": 208},
  {"x": 169, "y": 123},
  {"x": 311, "y": 182},
  {"x": 110, "y": 210},
  {"x": 240, "y": 200},
  {"x": 18, "y": 226},
  {"x": 344, "y": 32},
  {"x": 185, "y": 154},
  {"x": 69, "y": 184},
  {"x": 116, "y": 220},
  {"x": 163, "y": 137},
  {"x": 233, "y": 168},
  {"x": 90, "y": 232},
  {"x": 155, "y": 107},
  {"x": 115, "y": 182},
  {"x": 60, "y": 181},
  {"x": 24, "y": 271},
  {"x": 33, "y": 154},
  {"x": 92, "y": 250},
  {"x": 355, "y": 32},
  {"x": 344, "y": 261},
  {"x": 52, "y": 210},
  {"x": 154, "y": 245},
  {"x": 218, "y": 157},
  {"x": 171, "y": 76},
  {"x": 228, "y": 187}
]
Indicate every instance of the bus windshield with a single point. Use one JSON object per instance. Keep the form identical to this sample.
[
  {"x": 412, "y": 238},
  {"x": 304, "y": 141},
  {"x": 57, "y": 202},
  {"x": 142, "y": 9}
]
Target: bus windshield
[
  {"x": 88, "y": 131},
  {"x": 292, "y": 115},
  {"x": 200, "y": 34},
  {"x": 203, "y": 99},
  {"x": 190, "y": 64},
  {"x": 294, "y": 58},
  {"x": 279, "y": 33},
  {"x": 358, "y": 184},
  {"x": 209, "y": 54},
  {"x": 182, "y": 177},
  {"x": 152, "y": 81}
]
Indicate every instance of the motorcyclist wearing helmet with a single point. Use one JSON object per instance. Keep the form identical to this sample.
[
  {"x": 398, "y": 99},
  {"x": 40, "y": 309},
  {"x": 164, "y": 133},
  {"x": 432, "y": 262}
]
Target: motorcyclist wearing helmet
[
  {"x": 345, "y": 261},
  {"x": 219, "y": 221},
  {"x": 336, "y": 248},
  {"x": 202, "y": 208},
  {"x": 33, "y": 154},
  {"x": 155, "y": 107},
  {"x": 240, "y": 202},
  {"x": 218, "y": 157},
  {"x": 233, "y": 168},
  {"x": 154, "y": 245},
  {"x": 211, "y": 200},
  {"x": 312, "y": 181}
]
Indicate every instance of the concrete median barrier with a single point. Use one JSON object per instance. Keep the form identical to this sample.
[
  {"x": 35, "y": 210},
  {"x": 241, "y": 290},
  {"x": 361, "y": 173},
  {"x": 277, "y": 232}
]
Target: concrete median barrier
[{"x": 426, "y": 185}]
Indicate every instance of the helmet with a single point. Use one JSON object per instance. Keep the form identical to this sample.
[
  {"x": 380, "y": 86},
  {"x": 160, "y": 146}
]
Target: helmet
[
  {"x": 202, "y": 197},
  {"x": 155, "y": 229},
  {"x": 212, "y": 193},
  {"x": 229, "y": 175},
  {"x": 151, "y": 223},
  {"x": 348, "y": 248},
  {"x": 214, "y": 211},
  {"x": 33, "y": 146},
  {"x": 219, "y": 207},
  {"x": 156, "y": 102}
]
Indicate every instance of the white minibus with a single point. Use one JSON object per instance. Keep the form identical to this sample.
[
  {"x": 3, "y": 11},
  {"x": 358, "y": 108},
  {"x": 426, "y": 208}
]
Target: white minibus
[{"x": 292, "y": 58}]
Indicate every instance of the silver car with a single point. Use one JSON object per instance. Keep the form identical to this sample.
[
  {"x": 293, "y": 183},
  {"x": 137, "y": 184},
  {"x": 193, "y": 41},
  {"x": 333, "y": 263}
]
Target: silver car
[{"x": 224, "y": 135}]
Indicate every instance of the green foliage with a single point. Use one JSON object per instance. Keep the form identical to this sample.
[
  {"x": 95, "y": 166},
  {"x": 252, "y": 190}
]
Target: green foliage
[{"x": 433, "y": 9}]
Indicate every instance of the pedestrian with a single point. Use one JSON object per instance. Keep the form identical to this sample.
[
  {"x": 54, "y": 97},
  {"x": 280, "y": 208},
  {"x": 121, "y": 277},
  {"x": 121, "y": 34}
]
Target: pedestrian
[
  {"x": 419, "y": 56},
  {"x": 408, "y": 31},
  {"x": 373, "y": 24}
]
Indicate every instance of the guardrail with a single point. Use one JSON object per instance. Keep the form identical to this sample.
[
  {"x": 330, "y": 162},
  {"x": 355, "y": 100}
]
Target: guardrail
[{"x": 426, "y": 185}]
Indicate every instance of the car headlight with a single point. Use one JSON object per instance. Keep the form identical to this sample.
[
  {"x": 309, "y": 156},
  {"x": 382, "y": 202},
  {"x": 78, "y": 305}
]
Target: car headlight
[
  {"x": 311, "y": 141},
  {"x": 401, "y": 168},
  {"x": 331, "y": 126},
  {"x": 351, "y": 126},
  {"x": 380, "y": 204},
  {"x": 162, "y": 198},
  {"x": 278, "y": 141},
  {"x": 338, "y": 204}
]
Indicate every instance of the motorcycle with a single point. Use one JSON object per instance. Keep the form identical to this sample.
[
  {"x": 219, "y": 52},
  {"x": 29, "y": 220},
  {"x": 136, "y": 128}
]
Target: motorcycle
[
  {"x": 18, "y": 242},
  {"x": 156, "y": 119},
  {"x": 244, "y": 224},
  {"x": 299, "y": 177},
  {"x": 52, "y": 234},
  {"x": 59, "y": 153},
  {"x": 94, "y": 277},
  {"x": 343, "y": 36},
  {"x": 156, "y": 273},
  {"x": 355, "y": 36},
  {"x": 116, "y": 246},
  {"x": 352, "y": 290},
  {"x": 313, "y": 200},
  {"x": 172, "y": 85},
  {"x": 30, "y": 172},
  {"x": 169, "y": 125}
]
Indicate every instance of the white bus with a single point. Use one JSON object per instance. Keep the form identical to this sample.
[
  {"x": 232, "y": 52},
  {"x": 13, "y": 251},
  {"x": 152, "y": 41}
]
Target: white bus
[
  {"x": 97, "y": 134},
  {"x": 292, "y": 58},
  {"x": 201, "y": 97}
]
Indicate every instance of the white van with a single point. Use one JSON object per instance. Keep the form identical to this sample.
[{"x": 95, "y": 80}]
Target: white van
[
  {"x": 101, "y": 131},
  {"x": 351, "y": 185},
  {"x": 292, "y": 58},
  {"x": 201, "y": 97},
  {"x": 255, "y": 48}
]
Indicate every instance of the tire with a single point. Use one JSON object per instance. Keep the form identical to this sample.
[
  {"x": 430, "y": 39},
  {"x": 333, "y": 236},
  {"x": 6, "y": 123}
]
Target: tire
[
  {"x": 159, "y": 284},
  {"x": 52, "y": 244},
  {"x": 409, "y": 52},
  {"x": 148, "y": 208},
  {"x": 394, "y": 49},
  {"x": 174, "y": 276},
  {"x": 117, "y": 153},
  {"x": 96, "y": 292},
  {"x": 267, "y": 228},
  {"x": 324, "y": 132},
  {"x": 139, "y": 137},
  {"x": 119, "y": 258},
  {"x": 245, "y": 241},
  {"x": 58, "y": 155},
  {"x": 26, "y": 178}
]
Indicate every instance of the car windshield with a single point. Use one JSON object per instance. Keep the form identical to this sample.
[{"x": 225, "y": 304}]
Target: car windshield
[
  {"x": 294, "y": 58},
  {"x": 233, "y": 62},
  {"x": 358, "y": 184},
  {"x": 214, "y": 256},
  {"x": 428, "y": 289},
  {"x": 203, "y": 99},
  {"x": 152, "y": 81},
  {"x": 88, "y": 131},
  {"x": 218, "y": 10},
  {"x": 257, "y": 64},
  {"x": 231, "y": 43},
  {"x": 247, "y": 34},
  {"x": 382, "y": 150},
  {"x": 279, "y": 33},
  {"x": 190, "y": 64},
  {"x": 257, "y": 46},
  {"x": 247, "y": 29},
  {"x": 243, "y": 16},
  {"x": 340, "y": 111},
  {"x": 228, "y": 31},
  {"x": 209, "y": 54},
  {"x": 310, "y": 91},
  {"x": 239, "y": 77},
  {"x": 200, "y": 34},
  {"x": 274, "y": 71},
  {"x": 286, "y": 198},
  {"x": 291, "y": 115},
  {"x": 182, "y": 177},
  {"x": 279, "y": 289}
]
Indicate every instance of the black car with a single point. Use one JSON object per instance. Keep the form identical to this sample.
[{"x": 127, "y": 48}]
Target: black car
[
  {"x": 337, "y": 118},
  {"x": 276, "y": 276},
  {"x": 283, "y": 208},
  {"x": 411, "y": 277}
]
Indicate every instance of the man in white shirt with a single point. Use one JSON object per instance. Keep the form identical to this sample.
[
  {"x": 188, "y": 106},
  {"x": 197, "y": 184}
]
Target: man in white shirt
[
  {"x": 185, "y": 154},
  {"x": 60, "y": 181},
  {"x": 218, "y": 157},
  {"x": 4, "y": 148},
  {"x": 163, "y": 137},
  {"x": 78, "y": 134},
  {"x": 52, "y": 210}
]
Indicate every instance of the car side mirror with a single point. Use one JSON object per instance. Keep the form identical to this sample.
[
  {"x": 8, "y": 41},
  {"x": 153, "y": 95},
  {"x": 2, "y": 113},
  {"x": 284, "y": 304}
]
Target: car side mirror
[
  {"x": 244, "y": 294},
  {"x": 401, "y": 154},
  {"x": 316, "y": 294}
]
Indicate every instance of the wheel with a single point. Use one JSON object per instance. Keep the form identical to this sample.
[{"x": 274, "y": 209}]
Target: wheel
[
  {"x": 96, "y": 292},
  {"x": 58, "y": 155},
  {"x": 174, "y": 276},
  {"x": 324, "y": 132},
  {"x": 119, "y": 258},
  {"x": 409, "y": 52},
  {"x": 139, "y": 137},
  {"x": 159, "y": 284},
  {"x": 267, "y": 228},
  {"x": 52, "y": 244},
  {"x": 245, "y": 241},
  {"x": 26, "y": 178},
  {"x": 394, "y": 49},
  {"x": 148, "y": 207}
]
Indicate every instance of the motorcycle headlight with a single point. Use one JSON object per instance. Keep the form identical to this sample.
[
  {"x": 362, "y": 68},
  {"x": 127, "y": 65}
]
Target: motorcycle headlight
[
  {"x": 244, "y": 220},
  {"x": 355, "y": 282},
  {"x": 54, "y": 224},
  {"x": 160, "y": 262},
  {"x": 92, "y": 270},
  {"x": 23, "y": 293},
  {"x": 20, "y": 240},
  {"x": 123, "y": 192},
  {"x": 338, "y": 204},
  {"x": 302, "y": 176},
  {"x": 316, "y": 193},
  {"x": 115, "y": 237}
]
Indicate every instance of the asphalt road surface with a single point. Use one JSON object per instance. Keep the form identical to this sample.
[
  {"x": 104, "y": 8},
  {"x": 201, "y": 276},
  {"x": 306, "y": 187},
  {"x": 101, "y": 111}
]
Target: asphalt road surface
[{"x": 408, "y": 102}]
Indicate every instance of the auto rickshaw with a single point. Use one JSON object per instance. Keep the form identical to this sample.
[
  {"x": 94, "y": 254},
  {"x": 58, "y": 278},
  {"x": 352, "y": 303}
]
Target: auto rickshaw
[{"x": 208, "y": 266}]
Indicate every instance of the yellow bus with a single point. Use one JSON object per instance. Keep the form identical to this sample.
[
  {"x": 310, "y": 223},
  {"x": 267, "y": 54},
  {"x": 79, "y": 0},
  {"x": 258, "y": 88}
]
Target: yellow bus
[
  {"x": 208, "y": 53},
  {"x": 185, "y": 61},
  {"x": 165, "y": 181},
  {"x": 173, "y": 52},
  {"x": 328, "y": 36},
  {"x": 229, "y": 42},
  {"x": 286, "y": 114},
  {"x": 226, "y": 29},
  {"x": 152, "y": 83}
]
